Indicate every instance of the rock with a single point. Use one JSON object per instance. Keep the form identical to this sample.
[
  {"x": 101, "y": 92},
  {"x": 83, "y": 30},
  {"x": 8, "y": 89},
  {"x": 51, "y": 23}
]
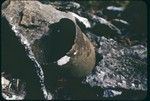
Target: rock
[
  {"x": 113, "y": 12},
  {"x": 4, "y": 82},
  {"x": 120, "y": 67},
  {"x": 111, "y": 93},
  {"x": 136, "y": 15},
  {"x": 82, "y": 20},
  {"x": 63, "y": 6},
  {"x": 122, "y": 25},
  {"x": 23, "y": 17},
  {"x": 12, "y": 89},
  {"x": 113, "y": 8},
  {"x": 102, "y": 27}
]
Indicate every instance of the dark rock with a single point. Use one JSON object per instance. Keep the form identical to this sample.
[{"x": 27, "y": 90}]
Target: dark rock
[
  {"x": 122, "y": 25},
  {"x": 136, "y": 15},
  {"x": 113, "y": 12},
  {"x": 102, "y": 27}
]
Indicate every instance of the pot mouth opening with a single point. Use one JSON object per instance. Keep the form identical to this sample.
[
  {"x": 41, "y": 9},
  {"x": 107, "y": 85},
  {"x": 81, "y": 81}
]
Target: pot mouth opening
[{"x": 60, "y": 39}]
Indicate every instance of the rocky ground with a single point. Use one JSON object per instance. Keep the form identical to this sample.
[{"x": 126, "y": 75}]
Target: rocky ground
[{"x": 118, "y": 30}]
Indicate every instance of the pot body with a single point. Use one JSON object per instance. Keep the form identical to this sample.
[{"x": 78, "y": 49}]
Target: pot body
[
  {"x": 82, "y": 55},
  {"x": 78, "y": 50}
]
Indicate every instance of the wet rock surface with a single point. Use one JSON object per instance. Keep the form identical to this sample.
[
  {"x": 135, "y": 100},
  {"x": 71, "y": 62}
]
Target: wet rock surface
[{"x": 121, "y": 55}]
